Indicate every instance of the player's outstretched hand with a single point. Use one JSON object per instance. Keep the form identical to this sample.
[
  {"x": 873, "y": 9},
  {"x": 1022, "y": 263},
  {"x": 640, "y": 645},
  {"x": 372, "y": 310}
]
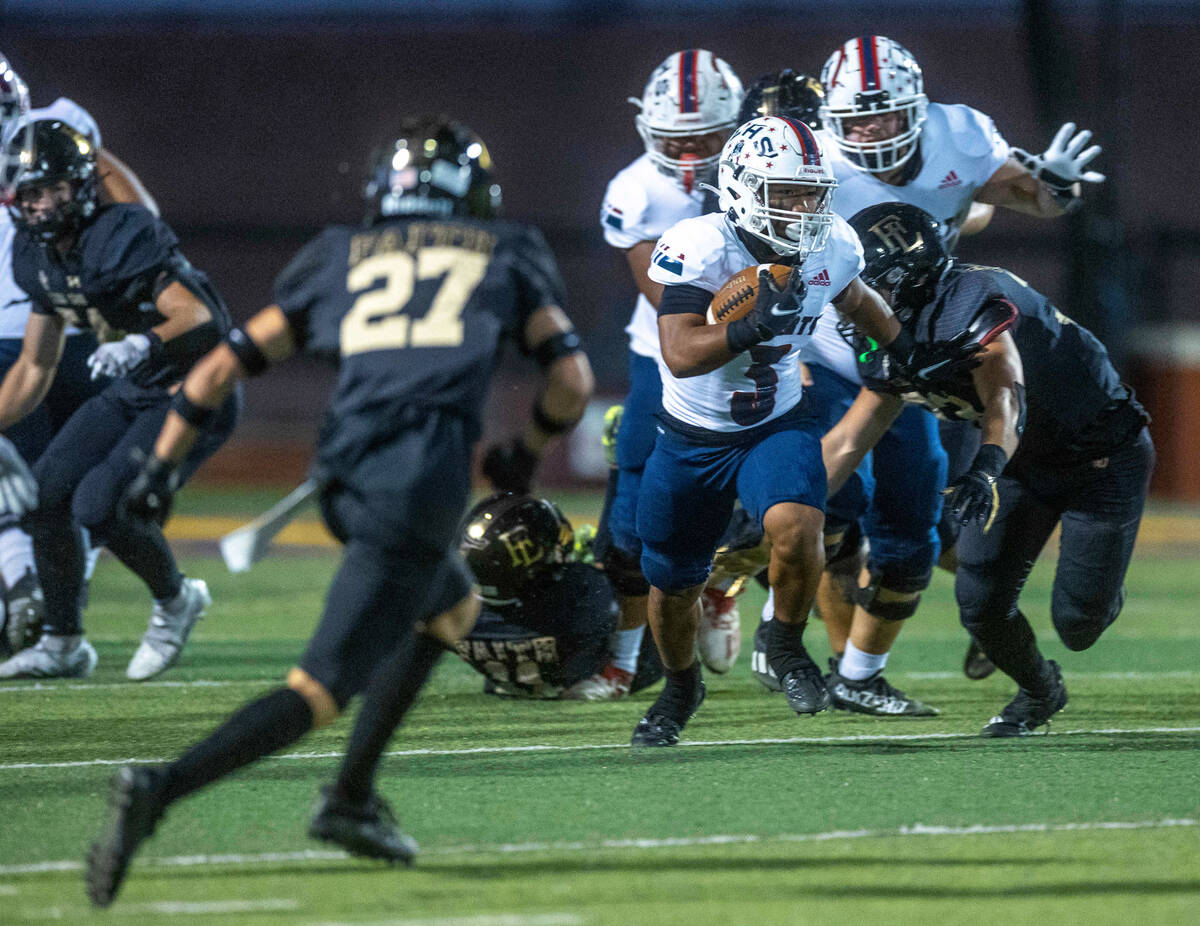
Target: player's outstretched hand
[
  {"x": 18, "y": 488},
  {"x": 117, "y": 358},
  {"x": 1064, "y": 163},
  {"x": 974, "y": 495},
  {"x": 777, "y": 308},
  {"x": 150, "y": 495},
  {"x": 510, "y": 466}
]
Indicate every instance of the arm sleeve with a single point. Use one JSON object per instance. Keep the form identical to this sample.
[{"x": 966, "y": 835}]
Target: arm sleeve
[{"x": 684, "y": 298}]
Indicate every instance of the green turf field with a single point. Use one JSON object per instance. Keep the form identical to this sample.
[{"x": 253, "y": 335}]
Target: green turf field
[{"x": 537, "y": 814}]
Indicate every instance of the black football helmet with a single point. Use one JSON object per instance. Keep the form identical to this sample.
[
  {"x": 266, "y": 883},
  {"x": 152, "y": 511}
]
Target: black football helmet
[
  {"x": 785, "y": 93},
  {"x": 435, "y": 166},
  {"x": 59, "y": 153},
  {"x": 512, "y": 542},
  {"x": 903, "y": 249}
]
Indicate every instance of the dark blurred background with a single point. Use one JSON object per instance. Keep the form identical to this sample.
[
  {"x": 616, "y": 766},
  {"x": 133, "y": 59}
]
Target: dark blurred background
[{"x": 251, "y": 123}]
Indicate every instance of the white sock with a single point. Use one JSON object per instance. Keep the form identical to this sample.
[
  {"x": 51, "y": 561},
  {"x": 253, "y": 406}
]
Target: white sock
[
  {"x": 16, "y": 555},
  {"x": 768, "y": 611},
  {"x": 857, "y": 665},
  {"x": 625, "y": 646}
]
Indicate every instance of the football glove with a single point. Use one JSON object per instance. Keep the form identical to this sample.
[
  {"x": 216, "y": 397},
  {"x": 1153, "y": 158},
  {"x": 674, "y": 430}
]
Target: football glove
[
  {"x": 1062, "y": 164},
  {"x": 776, "y": 312},
  {"x": 608, "y": 437},
  {"x": 18, "y": 488},
  {"x": 510, "y": 466},
  {"x": 150, "y": 495},
  {"x": 974, "y": 496},
  {"x": 117, "y": 358}
]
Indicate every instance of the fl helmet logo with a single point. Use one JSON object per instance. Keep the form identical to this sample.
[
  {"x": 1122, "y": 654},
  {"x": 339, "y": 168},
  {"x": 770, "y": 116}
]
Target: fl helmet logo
[
  {"x": 523, "y": 549},
  {"x": 891, "y": 231}
]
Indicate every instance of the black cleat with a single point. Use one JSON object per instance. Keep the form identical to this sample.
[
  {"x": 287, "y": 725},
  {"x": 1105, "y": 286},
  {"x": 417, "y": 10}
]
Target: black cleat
[
  {"x": 136, "y": 809},
  {"x": 873, "y": 695},
  {"x": 976, "y": 664},
  {"x": 759, "y": 667},
  {"x": 25, "y": 606},
  {"x": 804, "y": 688},
  {"x": 368, "y": 829},
  {"x": 1025, "y": 713},
  {"x": 665, "y": 720}
]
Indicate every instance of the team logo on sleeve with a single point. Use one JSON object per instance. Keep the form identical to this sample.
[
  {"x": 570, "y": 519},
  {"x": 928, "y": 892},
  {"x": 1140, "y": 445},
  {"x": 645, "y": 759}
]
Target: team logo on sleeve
[{"x": 672, "y": 262}]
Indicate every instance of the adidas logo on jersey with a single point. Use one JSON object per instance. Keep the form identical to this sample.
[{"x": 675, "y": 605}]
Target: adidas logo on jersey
[
  {"x": 951, "y": 179},
  {"x": 821, "y": 279}
]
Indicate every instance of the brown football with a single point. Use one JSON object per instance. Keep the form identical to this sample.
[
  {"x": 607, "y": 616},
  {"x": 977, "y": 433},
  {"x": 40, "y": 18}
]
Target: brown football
[{"x": 737, "y": 294}]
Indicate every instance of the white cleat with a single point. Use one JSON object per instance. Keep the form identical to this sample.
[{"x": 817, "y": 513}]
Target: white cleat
[
  {"x": 52, "y": 657},
  {"x": 169, "y": 627},
  {"x": 609, "y": 684},
  {"x": 720, "y": 636}
]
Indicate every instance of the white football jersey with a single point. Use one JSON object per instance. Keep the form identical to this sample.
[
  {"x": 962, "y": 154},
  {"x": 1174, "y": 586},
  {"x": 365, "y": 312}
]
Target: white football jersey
[
  {"x": 960, "y": 150},
  {"x": 14, "y": 302},
  {"x": 763, "y": 383},
  {"x": 640, "y": 204}
]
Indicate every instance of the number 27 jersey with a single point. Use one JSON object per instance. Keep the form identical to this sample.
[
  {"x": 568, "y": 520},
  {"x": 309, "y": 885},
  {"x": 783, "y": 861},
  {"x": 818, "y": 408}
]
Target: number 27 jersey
[
  {"x": 413, "y": 312},
  {"x": 763, "y": 383}
]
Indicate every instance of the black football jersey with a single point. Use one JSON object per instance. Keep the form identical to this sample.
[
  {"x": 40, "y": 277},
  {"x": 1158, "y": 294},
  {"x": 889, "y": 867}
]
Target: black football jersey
[
  {"x": 413, "y": 312},
  {"x": 110, "y": 278},
  {"x": 1075, "y": 401}
]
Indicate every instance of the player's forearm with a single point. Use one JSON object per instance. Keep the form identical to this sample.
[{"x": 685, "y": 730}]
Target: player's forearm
[
  {"x": 999, "y": 424},
  {"x": 569, "y": 387},
  {"x": 692, "y": 348},
  {"x": 23, "y": 389},
  {"x": 860, "y": 429},
  {"x": 206, "y": 387}
]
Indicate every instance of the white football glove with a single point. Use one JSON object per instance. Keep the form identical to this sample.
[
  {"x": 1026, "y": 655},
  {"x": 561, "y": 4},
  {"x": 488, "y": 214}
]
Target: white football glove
[
  {"x": 18, "y": 489},
  {"x": 119, "y": 357},
  {"x": 1063, "y": 163}
]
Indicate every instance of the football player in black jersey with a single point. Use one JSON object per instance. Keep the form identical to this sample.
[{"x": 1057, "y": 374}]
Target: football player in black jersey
[
  {"x": 547, "y": 614},
  {"x": 1063, "y": 442},
  {"x": 115, "y": 268},
  {"x": 413, "y": 308}
]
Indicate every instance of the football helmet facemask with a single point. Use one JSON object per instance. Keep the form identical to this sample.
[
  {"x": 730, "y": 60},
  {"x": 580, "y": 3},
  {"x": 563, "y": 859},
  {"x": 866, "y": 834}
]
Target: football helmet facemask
[
  {"x": 511, "y": 542},
  {"x": 775, "y": 183},
  {"x": 784, "y": 93},
  {"x": 14, "y": 107},
  {"x": 436, "y": 166},
  {"x": 904, "y": 253},
  {"x": 689, "y": 107},
  {"x": 874, "y": 76},
  {"x": 61, "y": 154}
]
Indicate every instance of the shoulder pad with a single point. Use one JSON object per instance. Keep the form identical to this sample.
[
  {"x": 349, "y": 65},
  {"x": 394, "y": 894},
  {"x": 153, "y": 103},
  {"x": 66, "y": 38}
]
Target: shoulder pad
[
  {"x": 971, "y": 132},
  {"x": 624, "y": 210}
]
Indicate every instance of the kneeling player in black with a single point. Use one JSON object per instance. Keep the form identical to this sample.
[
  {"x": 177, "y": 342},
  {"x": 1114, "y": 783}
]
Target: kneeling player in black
[
  {"x": 116, "y": 268},
  {"x": 546, "y": 618},
  {"x": 413, "y": 307},
  {"x": 1063, "y": 442}
]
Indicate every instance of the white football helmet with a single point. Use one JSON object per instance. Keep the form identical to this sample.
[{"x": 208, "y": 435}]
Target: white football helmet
[
  {"x": 16, "y": 132},
  {"x": 768, "y": 156},
  {"x": 873, "y": 74},
  {"x": 693, "y": 93}
]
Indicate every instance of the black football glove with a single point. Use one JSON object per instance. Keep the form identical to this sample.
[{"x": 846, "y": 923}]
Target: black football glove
[
  {"x": 510, "y": 466},
  {"x": 776, "y": 312},
  {"x": 928, "y": 366},
  {"x": 150, "y": 495},
  {"x": 974, "y": 496}
]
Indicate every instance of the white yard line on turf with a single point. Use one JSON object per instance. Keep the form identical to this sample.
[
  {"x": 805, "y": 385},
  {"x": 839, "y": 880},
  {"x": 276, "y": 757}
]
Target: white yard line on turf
[
  {"x": 8, "y": 890},
  {"x": 233, "y": 683},
  {"x": 179, "y": 908},
  {"x": 580, "y": 747},
  {"x": 915, "y": 829},
  {"x": 487, "y": 919}
]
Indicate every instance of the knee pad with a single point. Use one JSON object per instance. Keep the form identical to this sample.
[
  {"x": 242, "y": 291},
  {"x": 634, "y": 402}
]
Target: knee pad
[
  {"x": 1079, "y": 627},
  {"x": 324, "y": 706},
  {"x": 625, "y": 574},
  {"x": 891, "y": 596},
  {"x": 845, "y": 556}
]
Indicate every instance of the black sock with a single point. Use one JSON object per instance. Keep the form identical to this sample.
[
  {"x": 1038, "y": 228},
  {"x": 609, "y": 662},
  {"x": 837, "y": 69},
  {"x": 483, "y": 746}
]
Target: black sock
[
  {"x": 1012, "y": 646},
  {"x": 681, "y": 694},
  {"x": 391, "y": 693},
  {"x": 256, "y": 730},
  {"x": 785, "y": 644}
]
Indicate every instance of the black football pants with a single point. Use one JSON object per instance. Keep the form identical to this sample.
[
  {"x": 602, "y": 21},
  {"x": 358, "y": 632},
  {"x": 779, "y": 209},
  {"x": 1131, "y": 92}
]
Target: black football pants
[{"x": 1099, "y": 504}]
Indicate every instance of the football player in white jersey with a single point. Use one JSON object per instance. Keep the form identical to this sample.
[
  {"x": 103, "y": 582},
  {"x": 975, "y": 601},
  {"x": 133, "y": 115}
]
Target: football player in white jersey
[
  {"x": 73, "y": 385},
  {"x": 733, "y": 427},
  {"x": 889, "y": 143},
  {"x": 687, "y": 112}
]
